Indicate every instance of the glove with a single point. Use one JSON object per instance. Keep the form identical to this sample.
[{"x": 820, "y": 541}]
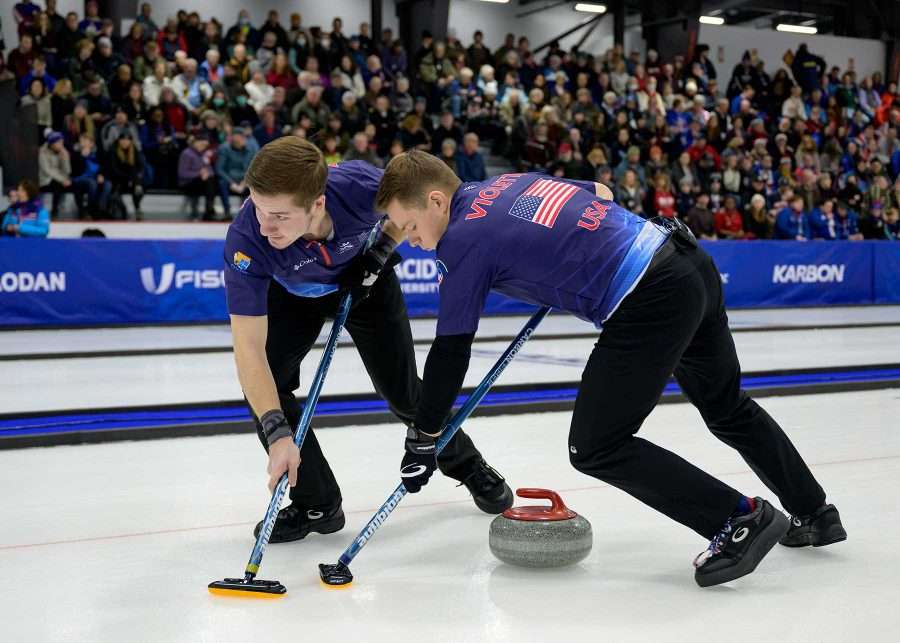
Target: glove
[
  {"x": 419, "y": 461},
  {"x": 361, "y": 274}
]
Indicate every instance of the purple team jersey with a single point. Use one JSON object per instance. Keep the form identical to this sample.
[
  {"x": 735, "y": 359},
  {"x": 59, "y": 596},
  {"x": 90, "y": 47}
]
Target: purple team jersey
[
  {"x": 305, "y": 268},
  {"x": 547, "y": 241}
]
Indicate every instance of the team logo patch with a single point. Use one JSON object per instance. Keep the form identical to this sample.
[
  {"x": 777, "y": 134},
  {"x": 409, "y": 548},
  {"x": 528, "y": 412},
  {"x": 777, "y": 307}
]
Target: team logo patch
[
  {"x": 241, "y": 261},
  {"x": 344, "y": 247},
  {"x": 542, "y": 202},
  {"x": 442, "y": 271}
]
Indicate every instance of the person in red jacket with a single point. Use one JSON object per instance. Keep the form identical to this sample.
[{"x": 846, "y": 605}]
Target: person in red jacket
[
  {"x": 729, "y": 222},
  {"x": 663, "y": 199}
]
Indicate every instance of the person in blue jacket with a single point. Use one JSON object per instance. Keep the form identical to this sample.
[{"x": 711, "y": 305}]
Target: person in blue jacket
[
  {"x": 847, "y": 223},
  {"x": 792, "y": 222},
  {"x": 27, "y": 217}
]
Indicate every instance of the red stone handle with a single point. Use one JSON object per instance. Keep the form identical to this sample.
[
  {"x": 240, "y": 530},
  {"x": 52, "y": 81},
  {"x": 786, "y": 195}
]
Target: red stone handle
[{"x": 556, "y": 511}]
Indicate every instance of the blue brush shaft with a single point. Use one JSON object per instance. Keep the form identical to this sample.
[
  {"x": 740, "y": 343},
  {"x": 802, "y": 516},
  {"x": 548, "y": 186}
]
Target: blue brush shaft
[
  {"x": 299, "y": 435},
  {"x": 449, "y": 431}
]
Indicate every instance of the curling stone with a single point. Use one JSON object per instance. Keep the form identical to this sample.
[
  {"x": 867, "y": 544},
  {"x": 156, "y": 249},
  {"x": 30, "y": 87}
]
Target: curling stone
[{"x": 540, "y": 536}]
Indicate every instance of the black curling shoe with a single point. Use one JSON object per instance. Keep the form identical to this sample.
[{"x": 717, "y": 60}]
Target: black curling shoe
[
  {"x": 295, "y": 523},
  {"x": 740, "y": 545},
  {"x": 823, "y": 527},
  {"x": 489, "y": 489}
]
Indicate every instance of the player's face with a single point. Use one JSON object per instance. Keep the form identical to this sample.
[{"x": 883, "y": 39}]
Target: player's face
[
  {"x": 282, "y": 222},
  {"x": 423, "y": 227}
]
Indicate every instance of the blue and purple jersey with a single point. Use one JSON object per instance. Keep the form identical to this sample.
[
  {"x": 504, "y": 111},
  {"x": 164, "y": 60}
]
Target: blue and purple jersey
[
  {"x": 546, "y": 241},
  {"x": 305, "y": 268}
]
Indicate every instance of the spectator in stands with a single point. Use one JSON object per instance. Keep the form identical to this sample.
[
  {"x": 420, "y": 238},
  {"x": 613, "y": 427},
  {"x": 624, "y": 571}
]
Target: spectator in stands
[
  {"x": 807, "y": 68},
  {"x": 847, "y": 223},
  {"x": 892, "y": 224},
  {"x": 313, "y": 107},
  {"x": 728, "y": 221},
  {"x": 62, "y": 103},
  {"x": 360, "y": 150},
  {"x": 792, "y": 222},
  {"x": 38, "y": 97},
  {"x": 469, "y": 162},
  {"x": 117, "y": 87},
  {"x": 759, "y": 222},
  {"x": 700, "y": 219},
  {"x": 268, "y": 129},
  {"x": 92, "y": 23},
  {"x": 106, "y": 61},
  {"x": 38, "y": 71},
  {"x": 259, "y": 91},
  {"x": 629, "y": 193},
  {"x": 385, "y": 123},
  {"x": 20, "y": 60},
  {"x": 26, "y": 217},
  {"x": 88, "y": 182},
  {"x": 126, "y": 172},
  {"x": 55, "y": 169},
  {"x": 114, "y": 129},
  {"x": 98, "y": 105},
  {"x": 231, "y": 165},
  {"x": 662, "y": 199},
  {"x": 196, "y": 176},
  {"x": 145, "y": 19},
  {"x": 160, "y": 147},
  {"x": 190, "y": 88},
  {"x": 448, "y": 154},
  {"x": 412, "y": 136}
]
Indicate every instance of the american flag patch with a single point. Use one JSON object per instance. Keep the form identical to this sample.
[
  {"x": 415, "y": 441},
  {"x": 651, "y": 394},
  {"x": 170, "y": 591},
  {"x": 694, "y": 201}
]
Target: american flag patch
[{"x": 542, "y": 201}]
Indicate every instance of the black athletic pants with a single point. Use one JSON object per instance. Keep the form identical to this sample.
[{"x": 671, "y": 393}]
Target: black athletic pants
[
  {"x": 674, "y": 322},
  {"x": 380, "y": 329}
]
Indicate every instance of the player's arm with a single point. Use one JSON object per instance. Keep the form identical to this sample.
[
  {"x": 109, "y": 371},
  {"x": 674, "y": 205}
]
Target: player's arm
[
  {"x": 249, "y": 335},
  {"x": 445, "y": 370}
]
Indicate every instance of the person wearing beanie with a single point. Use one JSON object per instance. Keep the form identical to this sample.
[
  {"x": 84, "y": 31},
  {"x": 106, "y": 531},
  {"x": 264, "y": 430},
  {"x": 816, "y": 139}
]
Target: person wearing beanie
[{"x": 55, "y": 169}]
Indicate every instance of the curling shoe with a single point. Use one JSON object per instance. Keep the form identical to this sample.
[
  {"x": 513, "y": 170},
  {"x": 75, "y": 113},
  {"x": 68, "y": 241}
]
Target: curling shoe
[
  {"x": 740, "y": 545},
  {"x": 820, "y": 528},
  {"x": 295, "y": 523},
  {"x": 489, "y": 489}
]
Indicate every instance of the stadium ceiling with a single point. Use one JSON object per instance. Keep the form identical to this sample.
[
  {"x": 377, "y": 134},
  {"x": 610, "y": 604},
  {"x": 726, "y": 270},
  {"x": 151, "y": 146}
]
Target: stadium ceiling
[{"x": 878, "y": 19}]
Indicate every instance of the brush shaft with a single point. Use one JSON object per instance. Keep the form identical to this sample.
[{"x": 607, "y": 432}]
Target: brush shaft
[
  {"x": 299, "y": 435},
  {"x": 449, "y": 431}
]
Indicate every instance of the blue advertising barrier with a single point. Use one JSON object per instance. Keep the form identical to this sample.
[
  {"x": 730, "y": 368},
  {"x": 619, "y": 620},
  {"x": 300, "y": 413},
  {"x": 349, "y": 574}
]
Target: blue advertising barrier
[{"x": 103, "y": 281}]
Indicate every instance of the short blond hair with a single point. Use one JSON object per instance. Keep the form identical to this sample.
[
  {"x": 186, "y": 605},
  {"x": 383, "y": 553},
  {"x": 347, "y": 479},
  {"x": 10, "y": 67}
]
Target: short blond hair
[
  {"x": 289, "y": 165},
  {"x": 410, "y": 176}
]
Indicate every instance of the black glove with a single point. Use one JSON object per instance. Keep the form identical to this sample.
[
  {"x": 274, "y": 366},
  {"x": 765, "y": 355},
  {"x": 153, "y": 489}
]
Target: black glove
[
  {"x": 361, "y": 273},
  {"x": 419, "y": 461},
  {"x": 275, "y": 426}
]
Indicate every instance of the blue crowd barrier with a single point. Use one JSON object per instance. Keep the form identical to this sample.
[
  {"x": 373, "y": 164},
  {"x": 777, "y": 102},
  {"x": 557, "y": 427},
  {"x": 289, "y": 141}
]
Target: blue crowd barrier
[{"x": 72, "y": 282}]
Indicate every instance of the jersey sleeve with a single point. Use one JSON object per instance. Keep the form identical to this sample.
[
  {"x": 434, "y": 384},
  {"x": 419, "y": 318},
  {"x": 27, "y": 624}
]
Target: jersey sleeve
[
  {"x": 247, "y": 275},
  {"x": 465, "y": 277},
  {"x": 355, "y": 184}
]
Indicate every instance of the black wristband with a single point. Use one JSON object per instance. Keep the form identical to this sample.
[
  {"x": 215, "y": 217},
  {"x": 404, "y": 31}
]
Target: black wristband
[
  {"x": 382, "y": 249},
  {"x": 275, "y": 426}
]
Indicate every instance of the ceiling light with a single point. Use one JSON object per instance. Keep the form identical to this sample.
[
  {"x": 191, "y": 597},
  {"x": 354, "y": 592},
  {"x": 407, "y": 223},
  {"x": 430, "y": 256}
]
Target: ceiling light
[
  {"x": 796, "y": 29},
  {"x": 589, "y": 7},
  {"x": 711, "y": 20}
]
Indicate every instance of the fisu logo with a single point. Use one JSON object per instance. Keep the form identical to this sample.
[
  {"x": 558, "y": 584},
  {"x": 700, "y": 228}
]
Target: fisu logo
[{"x": 169, "y": 276}]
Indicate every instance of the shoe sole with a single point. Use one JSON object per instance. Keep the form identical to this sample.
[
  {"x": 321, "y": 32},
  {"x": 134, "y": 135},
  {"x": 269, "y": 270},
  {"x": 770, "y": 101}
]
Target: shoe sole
[
  {"x": 327, "y": 527},
  {"x": 498, "y": 506},
  {"x": 833, "y": 534},
  {"x": 765, "y": 542}
]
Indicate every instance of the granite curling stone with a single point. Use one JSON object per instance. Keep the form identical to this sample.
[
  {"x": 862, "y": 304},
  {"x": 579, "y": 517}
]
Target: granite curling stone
[{"x": 540, "y": 536}]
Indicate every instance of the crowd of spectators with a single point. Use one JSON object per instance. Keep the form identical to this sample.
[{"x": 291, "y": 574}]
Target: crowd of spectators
[{"x": 807, "y": 151}]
